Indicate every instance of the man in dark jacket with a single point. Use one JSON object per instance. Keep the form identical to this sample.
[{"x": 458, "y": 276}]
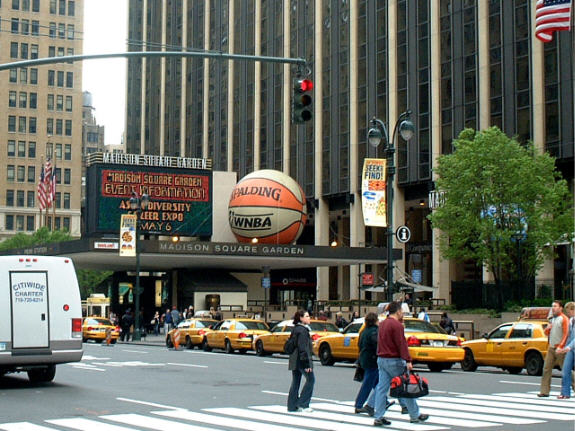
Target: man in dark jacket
[
  {"x": 301, "y": 363},
  {"x": 367, "y": 361},
  {"x": 340, "y": 322},
  {"x": 126, "y": 323}
]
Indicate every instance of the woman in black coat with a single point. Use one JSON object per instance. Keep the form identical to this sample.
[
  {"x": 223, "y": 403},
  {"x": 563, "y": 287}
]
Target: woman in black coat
[
  {"x": 301, "y": 363},
  {"x": 367, "y": 361}
]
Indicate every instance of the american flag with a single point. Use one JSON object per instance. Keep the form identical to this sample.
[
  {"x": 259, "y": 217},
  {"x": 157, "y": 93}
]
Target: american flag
[
  {"x": 49, "y": 183},
  {"x": 551, "y": 16},
  {"x": 42, "y": 198}
]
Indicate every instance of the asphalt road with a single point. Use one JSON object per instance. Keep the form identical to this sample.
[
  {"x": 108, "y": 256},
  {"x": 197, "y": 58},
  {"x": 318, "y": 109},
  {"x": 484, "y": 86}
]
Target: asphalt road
[{"x": 127, "y": 387}]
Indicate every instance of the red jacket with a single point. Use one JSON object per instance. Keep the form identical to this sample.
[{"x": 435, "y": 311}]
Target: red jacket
[{"x": 391, "y": 341}]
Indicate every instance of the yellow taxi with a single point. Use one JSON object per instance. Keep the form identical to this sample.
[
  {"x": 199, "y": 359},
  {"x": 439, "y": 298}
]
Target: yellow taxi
[
  {"x": 510, "y": 346},
  {"x": 96, "y": 328},
  {"x": 192, "y": 332},
  {"x": 235, "y": 334},
  {"x": 274, "y": 342},
  {"x": 428, "y": 344}
]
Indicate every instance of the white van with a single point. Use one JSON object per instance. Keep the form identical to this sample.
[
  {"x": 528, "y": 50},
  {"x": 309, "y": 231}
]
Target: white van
[{"x": 40, "y": 315}]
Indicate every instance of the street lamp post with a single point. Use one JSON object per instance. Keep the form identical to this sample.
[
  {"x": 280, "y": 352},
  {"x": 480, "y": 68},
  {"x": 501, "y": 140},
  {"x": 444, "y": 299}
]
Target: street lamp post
[
  {"x": 374, "y": 137},
  {"x": 137, "y": 205}
]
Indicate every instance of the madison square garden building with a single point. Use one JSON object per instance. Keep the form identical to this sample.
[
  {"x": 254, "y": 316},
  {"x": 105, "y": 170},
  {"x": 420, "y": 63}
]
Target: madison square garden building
[{"x": 454, "y": 63}]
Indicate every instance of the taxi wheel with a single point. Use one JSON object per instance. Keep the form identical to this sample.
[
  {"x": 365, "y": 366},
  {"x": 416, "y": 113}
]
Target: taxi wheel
[
  {"x": 42, "y": 375},
  {"x": 205, "y": 346},
  {"x": 84, "y": 340},
  {"x": 189, "y": 344},
  {"x": 534, "y": 364},
  {"x": 169, "y": 343},
  {"x": 468, "y": 363},
  {"x": 260, "y": 348},
  {"x": 228, "y": 347},
  {"x": 325, "y": 356},
  {"x": 514, "y": 370}
]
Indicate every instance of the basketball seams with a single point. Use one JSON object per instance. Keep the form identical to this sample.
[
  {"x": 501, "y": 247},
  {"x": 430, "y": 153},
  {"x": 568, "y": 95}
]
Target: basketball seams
[{"x": 286, "y": 187}]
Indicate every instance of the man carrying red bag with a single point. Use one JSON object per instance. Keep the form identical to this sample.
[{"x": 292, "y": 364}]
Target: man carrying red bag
[{"x": 393, "y": 359}]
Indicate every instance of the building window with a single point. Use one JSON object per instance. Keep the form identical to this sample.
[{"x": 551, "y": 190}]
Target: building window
[
  {"x": 53, "y": 30},
  {"x": 21, "y": 174},
  {"x": 25, "y": 5},
  {"x": 49, "y": 149},
  {"x": 12, "y": 99},
  {"x": 34, "y": 76},
  {"x": 69, "y": 79},
  {"x": 50, "y": 102},
  {"x": 22, "y": 124},
  {"x": 68, "y": 130},
  {"x": 24, "y": 51},
  {"x": 11, "y": 148},
  {"x": 23, "y": 76},
  {"x": 33, "y": 51},
  {"x": 10, "y": 173},
  {"x": 13, "y": 50},
  {"x": 32, "y": 150},
  {"x": 23, "y": 100},
  {"x": 53, "y": 7},
  {"x": 51, "y": 51},
  {"x": 71, "y": 8},
  {"x": 60, "y": 51},
  {"x": 35, "y": 5},
  {"x": 20, "y": 198},
  {"x": 32, "y": 174},
  {"x": 51, "y": 75},
  {"x": 25, "y": 27},
  {"x": 30, "y": 223},
  {"x": 68, "y": 103},
  {"x": 58, "y": 200},
  {"x": 59, "y": 102},
  {"x": 9, "y": 198},
  {"x": 33, "y": 100},
  {"x": 21, "y": 148},
  {"x": 50, "y": 126},
  {"x": 32, "y": 125},
  {"x": 9, "y": 222},
  {"x": 35, "y": 28},
  {"x": 57, "y": 223},
  {"x": 61, "y": 7},
  {"x": 58, "y": 153},
  {"x": 68, "y": 152},
  {"x": 16, "y": 4},
  {"x": 58, "y": 175},
  {"x": 67, "y": 201},
  {"x": 70, "y": 31},
  {"x": 15, "y": 26},
  {"x": 67, "y": 176},
  {"x": 59, "y": 127},
  {"x": 13, "y": 75},
  {"x": 66, "y": 223},
  {"x": 61, "y": 30},
  {"x": 30, "y": 199},
  {"x": 60, "y": 81},
  {"x": 12, "y": 123},
  {"x": 20, "y": 223}
]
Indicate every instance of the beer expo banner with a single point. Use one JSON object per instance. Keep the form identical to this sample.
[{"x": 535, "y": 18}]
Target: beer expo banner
[
  {"x": 180, "y": 198},
  {"x": 373, "y": 189}
]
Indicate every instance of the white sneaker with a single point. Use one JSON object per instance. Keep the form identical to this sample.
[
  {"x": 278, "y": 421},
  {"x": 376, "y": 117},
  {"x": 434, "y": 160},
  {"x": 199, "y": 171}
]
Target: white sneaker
[{"x": 306, "y": 410}]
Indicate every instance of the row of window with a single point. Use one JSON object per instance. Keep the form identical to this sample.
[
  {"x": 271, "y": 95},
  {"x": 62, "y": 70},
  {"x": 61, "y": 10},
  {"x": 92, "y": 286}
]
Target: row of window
[
  {"x": 20, "y": 150},
  {"x": 24, "y": 76},
  {"x": 59, "y": 51},
  {"x": 23, "y": 26},
  {"x": 61, "y": 30},
  {"x": 57, "y": 127},
  {"x": 59, "y": 222},
  {"x": 16, "y": 198},
  {"x": 56, "y": 78},
  {"x": 59, "y": 102},
  {"x": 55, "y": 150},
  {"x": 18, "y": 174},
  {"x": 62, "y": 7},
  {"x": 22, "y": 100},
  {"x": 25, "y": 5},
  {"x": 26, "y": 50}
]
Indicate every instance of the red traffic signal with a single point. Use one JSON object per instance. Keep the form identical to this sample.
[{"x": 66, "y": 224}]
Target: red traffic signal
[
  {"x": 305, "y": 84},
  {"x": 301, "y": 100}
]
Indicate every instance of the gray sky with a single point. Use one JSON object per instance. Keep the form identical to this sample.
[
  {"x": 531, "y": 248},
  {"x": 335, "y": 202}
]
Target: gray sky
[{"x": 105, "y": 31}]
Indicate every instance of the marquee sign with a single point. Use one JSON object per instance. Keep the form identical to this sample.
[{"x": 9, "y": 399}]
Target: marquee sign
[{"x": 180, "y": 198}]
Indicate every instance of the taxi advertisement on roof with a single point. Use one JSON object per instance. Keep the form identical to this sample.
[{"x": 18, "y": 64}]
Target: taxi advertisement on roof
[{"x": 373, "y": 189}]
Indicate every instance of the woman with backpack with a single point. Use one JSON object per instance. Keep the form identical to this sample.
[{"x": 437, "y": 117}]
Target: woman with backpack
[{"x": 301, "y": 363}]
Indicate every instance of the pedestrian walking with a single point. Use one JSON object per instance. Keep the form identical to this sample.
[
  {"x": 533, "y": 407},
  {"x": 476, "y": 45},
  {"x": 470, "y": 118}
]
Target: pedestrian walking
[
  {"x": 340, "y": 322},
  {"x": 301, "y": 364},
  {"x": 175, "y": 316},
  {"x": 447, "y": 323},
  {"x": 568, "y": 350},
  {"x": 126, "y": 323},
  {"x": 423, "y": 315},
  {"x": 156, "y": 323},
  {"x": 557, "y": 331},
  {"x": 393, "y": 359},
  {"x": 168, "y": 322},
  {"x": 218, "y": 316},
  {"x": 368, "y": 361},
  {"x": 190, "y": 312}
]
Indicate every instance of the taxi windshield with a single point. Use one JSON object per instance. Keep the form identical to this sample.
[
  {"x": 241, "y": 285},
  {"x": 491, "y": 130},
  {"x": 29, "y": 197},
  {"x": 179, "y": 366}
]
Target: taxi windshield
[
  {"x": 98, "y": 322},
  {"x": 323, "y": 326},
  {"x": 352, "y": 328},
  {"x": 251, "y": 325},
  {"x": 416, "y": 325},
  {"x": 204, "y": 323}
]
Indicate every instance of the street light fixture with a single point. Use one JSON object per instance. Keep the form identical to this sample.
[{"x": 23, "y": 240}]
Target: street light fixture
[
  {"x": 374, "y": 136},
  {"x": 137, "y": 205}
]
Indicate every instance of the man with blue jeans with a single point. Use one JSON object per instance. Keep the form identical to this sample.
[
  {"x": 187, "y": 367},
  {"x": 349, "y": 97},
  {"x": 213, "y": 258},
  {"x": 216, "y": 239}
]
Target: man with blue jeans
[
  {"x": 567, "y": 370},
  {"x": 393, "y": 359}
]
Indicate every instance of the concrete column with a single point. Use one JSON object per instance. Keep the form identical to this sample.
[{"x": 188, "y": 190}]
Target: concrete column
[
  {"x": 257, "y": 85},
  {"x": 184, "y": 82},
  {"x": 484, "y": 84},
  {"x": 321, "y": 216},
  {"x": 206, "y": 102},
  {"x": 341, "y": 282},
  {"x": 231, "y": 48},
  {"x": 286, "y": 120},
  {"x": 356, "y": 226},
  {"x": 163, "y": 80},
  {"x": 144, "y": 83}
]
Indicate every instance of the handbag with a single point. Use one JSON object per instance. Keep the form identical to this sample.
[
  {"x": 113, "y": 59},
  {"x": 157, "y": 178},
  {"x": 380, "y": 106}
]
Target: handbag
[
  {"x": 409, "y": 385},
  {"x": 359, "y": 373}
]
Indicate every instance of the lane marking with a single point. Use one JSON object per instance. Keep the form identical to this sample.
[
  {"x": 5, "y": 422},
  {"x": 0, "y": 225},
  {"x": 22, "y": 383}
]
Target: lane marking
[
  {"x": 24, "y": 426},
  {"x": 274, "y": 362},
  {"x": 89, "y": 368},
  {"x": 154, "y": 423},
  {"x": 93, "y": 358},
  {"x": 134, "y": 351},
  {"x": 525, "y": 383},
  {"x": 87, "y": 425},
  {"x": 187, "y": 365},
  {"x": 285, "y": 394},
  {"x": 147, "y": 403},
  {"x": 522, "y": 400},
  {"x": 534, "y": 397}
]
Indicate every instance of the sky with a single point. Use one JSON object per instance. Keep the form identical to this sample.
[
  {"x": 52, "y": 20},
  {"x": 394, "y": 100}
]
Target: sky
[{"x": 105, "y": 31}]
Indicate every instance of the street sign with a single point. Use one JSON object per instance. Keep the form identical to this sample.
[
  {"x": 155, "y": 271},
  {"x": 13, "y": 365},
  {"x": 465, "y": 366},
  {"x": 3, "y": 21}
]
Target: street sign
[
  {"x": 403, "y": 234},
  {"x": 266, "y": 282},
  {"x": 367, "y": 278}
]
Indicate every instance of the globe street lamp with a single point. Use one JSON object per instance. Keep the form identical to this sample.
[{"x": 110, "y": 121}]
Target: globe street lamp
[
  {"x": 374, "y": 137},
  {"x": 137, "y": 205}
]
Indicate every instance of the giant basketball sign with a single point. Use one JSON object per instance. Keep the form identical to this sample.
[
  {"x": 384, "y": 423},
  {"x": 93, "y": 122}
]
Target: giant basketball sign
[{"x": 268, "y": 205}]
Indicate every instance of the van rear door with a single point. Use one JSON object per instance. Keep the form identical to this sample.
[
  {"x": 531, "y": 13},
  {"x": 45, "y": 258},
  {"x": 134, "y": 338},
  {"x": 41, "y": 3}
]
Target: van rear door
[{"x": 29, "y": 300}]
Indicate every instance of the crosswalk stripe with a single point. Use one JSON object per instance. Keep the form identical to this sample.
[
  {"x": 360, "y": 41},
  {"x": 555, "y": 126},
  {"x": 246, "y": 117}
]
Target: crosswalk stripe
[
  {"x": 154, "y": 423},
  {"x": 317, "y": 419},
  {"x": 505, "y": 404},
  {"x": 23, "y": 426},
  {"x": 394, "y": 413},
  {"x": 534, "y": 397},
  {"x": 511, "y": 398},
  {"x": 499, "y": 408},
  {"x": 223, "y": 421},
  {"x": 486, "y": 412},
  {"x": 82, "y": 424}
]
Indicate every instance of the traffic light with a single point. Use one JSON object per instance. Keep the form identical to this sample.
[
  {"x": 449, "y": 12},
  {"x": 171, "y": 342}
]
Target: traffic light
[{"x": 301, "y": 100}]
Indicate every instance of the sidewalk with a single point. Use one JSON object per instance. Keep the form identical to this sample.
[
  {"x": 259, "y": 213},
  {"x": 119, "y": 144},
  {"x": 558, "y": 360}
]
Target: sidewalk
[{"x": 148, "y": 340}]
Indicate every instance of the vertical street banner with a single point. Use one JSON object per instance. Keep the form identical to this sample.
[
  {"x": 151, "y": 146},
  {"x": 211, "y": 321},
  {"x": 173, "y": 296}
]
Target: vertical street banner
[
  {"x": 128, "y": 235},
  {"x": 373, "y": 188}
]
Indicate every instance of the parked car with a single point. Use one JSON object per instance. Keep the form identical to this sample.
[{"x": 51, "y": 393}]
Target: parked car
[
  {"x": 511, "y": 346},
  {"x": 274, "y": 342},
  {"x": 96, "y": 327},
  {"x": 192, "y": 332},
  {"x": 235, "y": 334}
]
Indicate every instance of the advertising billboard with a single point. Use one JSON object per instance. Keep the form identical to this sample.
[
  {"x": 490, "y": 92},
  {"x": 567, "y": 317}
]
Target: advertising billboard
[
  {"x": 373, "y": 188},
  {"x": 180, "y": 199}
]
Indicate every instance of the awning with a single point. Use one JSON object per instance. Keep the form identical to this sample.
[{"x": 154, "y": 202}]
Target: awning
[
  {"x": 417, "y": 287},
  {"x": 211, "y": 280}
]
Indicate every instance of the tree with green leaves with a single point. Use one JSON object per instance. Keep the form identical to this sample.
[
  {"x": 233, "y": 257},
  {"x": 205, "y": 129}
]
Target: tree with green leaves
[{"x": 504, "y": 206}]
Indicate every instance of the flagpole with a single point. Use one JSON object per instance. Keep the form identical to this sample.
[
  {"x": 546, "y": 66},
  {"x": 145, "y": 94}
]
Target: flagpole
[
  {"x": 53, "y": 198},
  {"x": 38, "y": 188}
]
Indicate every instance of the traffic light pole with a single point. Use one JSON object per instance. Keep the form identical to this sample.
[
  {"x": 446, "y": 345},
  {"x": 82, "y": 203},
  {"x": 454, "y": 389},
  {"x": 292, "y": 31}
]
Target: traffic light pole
[{"x": 217, "y": 55}]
